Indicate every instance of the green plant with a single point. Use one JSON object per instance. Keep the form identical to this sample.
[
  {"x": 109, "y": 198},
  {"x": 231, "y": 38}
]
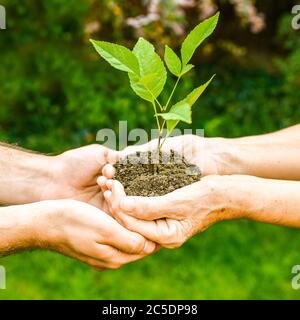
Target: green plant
[{"x": 148, "y": 75}]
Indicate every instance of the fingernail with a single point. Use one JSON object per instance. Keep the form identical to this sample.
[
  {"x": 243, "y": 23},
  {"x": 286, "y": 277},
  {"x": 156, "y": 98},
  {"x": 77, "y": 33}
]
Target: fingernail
[
  {"x": 128, "y": 204},
  {"x": 149, "y": 247}
]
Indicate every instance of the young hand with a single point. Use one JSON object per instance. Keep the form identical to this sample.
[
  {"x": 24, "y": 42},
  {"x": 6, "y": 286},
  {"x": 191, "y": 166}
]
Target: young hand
[
  {"x": 75, "y": 174},
  {"x": 80, "y": 231}
]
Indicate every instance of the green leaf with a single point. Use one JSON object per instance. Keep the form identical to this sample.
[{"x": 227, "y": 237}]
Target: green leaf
[
  {"x": 187, "y": 68},
  {"x": 181, "y": 111},
  {"x": 190, "y": 100},
  {"x": 172, "y": 61},
  {"x": 196, "y": 93},
  {"x": 171, "y": 125},
  {"x": 150, "y": 64},
  {"x": 197, "y": 36},
  {"x": 147, "y": 79},
  {"x": 117, "y": 56}
]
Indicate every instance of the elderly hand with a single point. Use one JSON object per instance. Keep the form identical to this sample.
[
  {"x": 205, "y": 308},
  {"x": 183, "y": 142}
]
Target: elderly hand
[
  {"x": 199, "y": 151},
  {"x": 171, "y": 219}
]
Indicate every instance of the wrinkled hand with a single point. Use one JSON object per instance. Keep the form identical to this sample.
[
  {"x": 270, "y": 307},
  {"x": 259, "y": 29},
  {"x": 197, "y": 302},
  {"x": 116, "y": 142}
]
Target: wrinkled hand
[
  {"x": 197, "y": 150},
  {"x": 75, "y": 174},
  {"x": 171, "y": 219},
  {"x": 83, "y": 232}
]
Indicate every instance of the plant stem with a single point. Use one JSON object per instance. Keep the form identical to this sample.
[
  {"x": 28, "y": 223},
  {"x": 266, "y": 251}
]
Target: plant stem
[
  {"x": 172, "y": 93},
  {"x": 154, "y": 99},
  {"x": 160, "y": 106},
  {"x": 155, "y": 114},
  {"x": 164, "y": 122},
  {"x": 167, "y": 135}
]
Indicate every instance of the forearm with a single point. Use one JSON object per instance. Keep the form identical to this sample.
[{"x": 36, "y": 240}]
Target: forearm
[
  {"x": 263, "y": 200},
  {"x": 275, "y": 155},
  {"x": 23, "y": 176},
  {"x": 19, "y": 228}
]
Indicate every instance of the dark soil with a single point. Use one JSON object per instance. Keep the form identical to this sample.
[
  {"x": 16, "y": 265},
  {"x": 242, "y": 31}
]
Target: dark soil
[{"x": 143, "y": 175}]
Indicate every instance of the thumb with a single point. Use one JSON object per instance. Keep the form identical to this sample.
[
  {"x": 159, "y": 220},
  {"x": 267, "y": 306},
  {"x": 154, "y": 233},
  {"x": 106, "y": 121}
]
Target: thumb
[{"x": 147, "y": 208}]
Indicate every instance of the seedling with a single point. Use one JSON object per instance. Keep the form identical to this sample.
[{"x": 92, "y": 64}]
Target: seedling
[{"x": 148, "y": 75}]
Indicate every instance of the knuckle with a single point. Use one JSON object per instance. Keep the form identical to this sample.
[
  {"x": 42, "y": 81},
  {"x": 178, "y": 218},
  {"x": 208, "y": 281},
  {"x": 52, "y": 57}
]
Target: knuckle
[
  {"x": 136, "y": 244},
  {"x": 146, "y": 209},
  {"x": 107, "y": 256},
  {"x": 168, "y": 236},
  {"x": 173, "y": 237}
]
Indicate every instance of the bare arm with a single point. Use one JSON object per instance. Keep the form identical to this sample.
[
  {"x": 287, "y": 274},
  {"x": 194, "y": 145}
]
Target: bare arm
[
  {"x": 27, "y": 177},
  {"x": 73, "y": 228},
  {"x": 274, "y": 155},
  {"x": 172, "y": 219},
  {"x": 24, "y": 175}
]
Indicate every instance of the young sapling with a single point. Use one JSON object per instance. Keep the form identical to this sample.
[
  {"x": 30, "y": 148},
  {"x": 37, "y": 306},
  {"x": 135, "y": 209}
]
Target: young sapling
[{"x": 147, "y": 75}]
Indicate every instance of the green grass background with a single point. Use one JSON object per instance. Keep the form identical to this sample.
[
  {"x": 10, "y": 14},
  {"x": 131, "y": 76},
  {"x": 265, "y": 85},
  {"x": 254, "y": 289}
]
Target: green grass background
[{"x": 232, "y": 260}]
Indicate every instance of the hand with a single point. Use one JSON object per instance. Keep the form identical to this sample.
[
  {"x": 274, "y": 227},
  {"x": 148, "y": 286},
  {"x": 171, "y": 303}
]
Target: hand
[
  {"x": 197, "y": 150},
  {"x": 75, "y": 174},
  {"x": 83, "y": 232},
  {"x": 171, "y": 219}
]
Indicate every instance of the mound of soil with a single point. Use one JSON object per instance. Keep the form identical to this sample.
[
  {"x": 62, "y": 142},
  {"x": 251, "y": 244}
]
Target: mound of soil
[{"x": 150, "y": 174}]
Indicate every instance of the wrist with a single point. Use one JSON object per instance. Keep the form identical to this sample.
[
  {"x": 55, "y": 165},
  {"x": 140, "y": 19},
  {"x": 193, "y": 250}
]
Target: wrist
[
  {"x": 42, "y": 172},
  {"x": 48, "y": 222},
  {"x": 221, "y": 156},
  {"x": 20, "y": 227},
  {"x": 28, "y": 174},
  {"x": 230, "y": 196}
]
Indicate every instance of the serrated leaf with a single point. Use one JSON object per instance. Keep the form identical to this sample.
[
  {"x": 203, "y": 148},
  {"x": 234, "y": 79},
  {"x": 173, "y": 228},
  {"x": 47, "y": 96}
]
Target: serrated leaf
[
  {"x": 181, "y": 111},
  {"x": 196, "y": 93},
  {"x": 172, "y": 61},
  {"x": 149, "y": 63},
  {"x": 190, "y": 100},
  {"x": 187, "y": 68},
  {"x": 172, "y": 121},
  {"x": 117, "y": 56},
  {"x": 197, "y": 36}
]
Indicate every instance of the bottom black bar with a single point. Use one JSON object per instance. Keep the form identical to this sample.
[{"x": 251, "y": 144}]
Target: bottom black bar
[{"x": 143, "y": 309}]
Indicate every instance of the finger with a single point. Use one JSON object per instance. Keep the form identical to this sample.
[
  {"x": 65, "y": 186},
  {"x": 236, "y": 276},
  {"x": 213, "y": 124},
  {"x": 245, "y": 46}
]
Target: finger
[
  {"x": 112, "y": 156},
  {"x": 114, "y": 258},
  {"x": 95, "y": 151},
  {"x": 114, "y": 197},
  {"x": 107, "y": 196},
  {"x": 148, "y": 229},
  {"x": 108, "y": 171},
  {"x": 117, "y": 190},
  {"x": 155, "y": 231},
  {"x": 127, "y": 241},
  {"x": 109, "y": 184},
  {"x": 164, "y": 232},
  {"x": 101, "y": 181},
  {"x": 148, "y": 208}
]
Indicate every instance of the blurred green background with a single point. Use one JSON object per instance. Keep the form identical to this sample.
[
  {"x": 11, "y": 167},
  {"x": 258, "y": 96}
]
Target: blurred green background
[{"x": 56, "y": 93}]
